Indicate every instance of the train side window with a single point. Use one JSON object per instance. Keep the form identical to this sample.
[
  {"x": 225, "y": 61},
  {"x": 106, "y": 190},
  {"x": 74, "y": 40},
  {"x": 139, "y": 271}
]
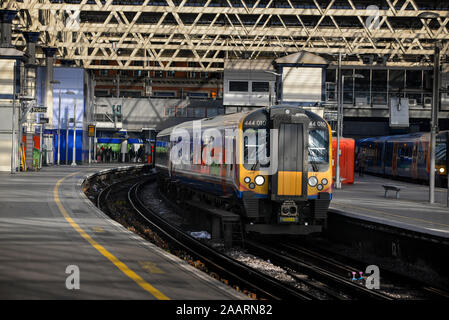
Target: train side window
[{"x": 238, "y": 86}]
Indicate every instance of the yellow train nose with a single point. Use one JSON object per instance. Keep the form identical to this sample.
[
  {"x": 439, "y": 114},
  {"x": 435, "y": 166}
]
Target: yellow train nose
[{"x": 289, "y": 183}]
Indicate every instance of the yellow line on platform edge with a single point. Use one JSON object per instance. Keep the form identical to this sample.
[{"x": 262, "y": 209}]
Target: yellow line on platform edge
[{"x": 123, "y": 267}]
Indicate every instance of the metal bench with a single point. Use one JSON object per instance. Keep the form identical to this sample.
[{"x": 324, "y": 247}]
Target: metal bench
[{"x": 391, "y": 187}]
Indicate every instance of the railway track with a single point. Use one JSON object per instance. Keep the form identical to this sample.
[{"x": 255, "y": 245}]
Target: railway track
[
  {"x": 333, "y": 271},
  {"x": 318, "y": 270},
  {"x": 345, "y": 266},
  {"x": 111, "y": 200},
  {"x": 334, "y": 285}
]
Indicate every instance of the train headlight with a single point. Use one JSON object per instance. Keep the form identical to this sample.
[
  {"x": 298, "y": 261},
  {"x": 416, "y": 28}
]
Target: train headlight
[
  {"x": 259, "y": 180},
  {"x": 252, "y": 185},
  {"x": 441, "y": 170},
  {"x": 247, "y": 179},
  {"x": 324, "y": 181},
  {"x": 320, "y": 187},
  {"x": 313, "y": 181}
]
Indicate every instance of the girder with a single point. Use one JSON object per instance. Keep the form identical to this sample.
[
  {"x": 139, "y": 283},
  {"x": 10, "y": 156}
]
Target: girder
[{"x": 170, "y": 35}]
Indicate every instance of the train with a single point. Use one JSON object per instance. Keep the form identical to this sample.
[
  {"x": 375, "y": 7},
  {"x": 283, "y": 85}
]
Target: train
[
  {"x": 405, "y": 156},
  {"x": 274, "y": 170}
]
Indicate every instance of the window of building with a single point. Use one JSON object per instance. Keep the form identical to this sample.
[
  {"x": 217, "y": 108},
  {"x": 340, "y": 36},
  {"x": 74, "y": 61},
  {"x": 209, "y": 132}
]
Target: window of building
[
  {"x": 331, "y": 75},
  {"x": 348, "y": 90},
  {"x": 198, "y": 94},
  {"x": 102, "y": 93},
  {"x": 396, "y": 81},
  {"x": 259, "y": 86},
  {"x": 130, "y": 94},
  {"x": 164, "y": 94},
  {"x": 362, "y": 87},
  {"x": 379, "y": 87},
  {"x": 414, "y": 84},
  {"x": 238, "y": 86}
]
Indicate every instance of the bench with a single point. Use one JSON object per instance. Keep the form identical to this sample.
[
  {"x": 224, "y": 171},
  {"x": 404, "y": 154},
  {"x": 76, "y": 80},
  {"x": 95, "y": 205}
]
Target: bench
[{"x": 391, "y": 187}]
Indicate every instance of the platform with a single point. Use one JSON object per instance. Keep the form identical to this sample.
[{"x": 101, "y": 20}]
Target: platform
[
  {"x": 47, "y": 224},
  {"x": 365, "y": 200}
]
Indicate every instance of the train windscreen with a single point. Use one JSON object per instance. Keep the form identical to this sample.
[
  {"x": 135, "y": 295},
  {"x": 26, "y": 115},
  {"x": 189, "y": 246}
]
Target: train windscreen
[
  {"x": 318, "y": 150},
  {"x": 440, "y": 150},
  {"x": 256, "y": 149}
]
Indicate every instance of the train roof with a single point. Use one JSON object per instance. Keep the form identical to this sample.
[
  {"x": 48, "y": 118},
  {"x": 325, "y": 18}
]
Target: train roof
[
  {"x": 400, "y": 137},
  {"x": 228, "y": 120},
  {"x": 214, "y": 122}
]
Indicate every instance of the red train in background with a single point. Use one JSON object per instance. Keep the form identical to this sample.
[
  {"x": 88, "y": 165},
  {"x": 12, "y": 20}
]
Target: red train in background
[{"x": 347, "y": 157}]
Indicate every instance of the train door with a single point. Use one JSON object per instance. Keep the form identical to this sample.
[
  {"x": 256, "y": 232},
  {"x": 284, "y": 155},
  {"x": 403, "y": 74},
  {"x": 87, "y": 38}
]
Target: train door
[
  {"x": 415, "y": 160},
  {"x": 387, "y": 158},
  {"x": 421, "y": 161},
  {"x": 394, "y": 159},
  {"x": 290, "y": 180},
  {"x": 374, "y": 157},
  {"x": 382, "y": 157}
]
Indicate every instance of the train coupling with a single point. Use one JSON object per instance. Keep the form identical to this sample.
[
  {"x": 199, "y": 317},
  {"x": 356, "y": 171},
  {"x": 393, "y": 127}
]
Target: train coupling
[{"x": 289, "y": 212}]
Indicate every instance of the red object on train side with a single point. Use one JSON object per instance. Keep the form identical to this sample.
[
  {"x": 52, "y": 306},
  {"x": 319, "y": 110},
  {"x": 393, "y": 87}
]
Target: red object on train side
[{"x": 347, "y": 151}]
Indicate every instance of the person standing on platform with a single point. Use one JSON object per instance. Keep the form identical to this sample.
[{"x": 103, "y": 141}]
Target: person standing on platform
[
  {"x": 140, "y": 154},
  {"x": 362, "y": 162},
  {"x": 103, "y": 154},
  {"x": 131, "y": 154},
  {"x": 111, "y": 154},
  {"x": 124, "y": 149}
]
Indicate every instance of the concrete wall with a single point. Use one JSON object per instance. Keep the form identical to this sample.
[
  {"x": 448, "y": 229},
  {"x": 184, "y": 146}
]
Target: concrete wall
[
  {"x": 6, "y": 94},
  {"x": 5, "y": 135}
]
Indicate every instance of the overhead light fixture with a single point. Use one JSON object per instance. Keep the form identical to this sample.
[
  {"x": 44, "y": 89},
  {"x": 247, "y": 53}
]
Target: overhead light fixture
[{"x": 428, "y": 15}]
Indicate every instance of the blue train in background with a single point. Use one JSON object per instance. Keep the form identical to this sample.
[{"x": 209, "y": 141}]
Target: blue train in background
[{"x": 405, "y": 156}]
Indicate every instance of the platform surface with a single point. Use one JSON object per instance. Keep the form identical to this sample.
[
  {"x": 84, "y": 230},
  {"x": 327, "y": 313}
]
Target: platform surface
[
  {"x": 45, "y": 226},
  {"x": 412, "y": 211}
]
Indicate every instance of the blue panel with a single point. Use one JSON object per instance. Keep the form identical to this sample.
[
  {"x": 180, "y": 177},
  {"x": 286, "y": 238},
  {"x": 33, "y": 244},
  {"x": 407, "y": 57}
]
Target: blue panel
[
  {"x": 108, "y": 140},
  {"x": 72, "y": 79},
  {"x": 78, "y": 145}
]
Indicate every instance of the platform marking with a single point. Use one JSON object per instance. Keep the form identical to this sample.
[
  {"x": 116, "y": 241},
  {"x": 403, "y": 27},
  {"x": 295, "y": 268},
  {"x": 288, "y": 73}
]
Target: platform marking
[
  {"x": 389, "y": 214},
  {"x": 150, "y": 267},
  {"x": 98, "y": 229},
  {"x": 120, "y": 265}
]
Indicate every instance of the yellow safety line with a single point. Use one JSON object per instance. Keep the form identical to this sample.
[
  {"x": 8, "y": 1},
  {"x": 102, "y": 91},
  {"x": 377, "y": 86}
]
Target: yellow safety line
[
  {"x": 388, "y": 214},
  {"x": 123, "y": 267}
]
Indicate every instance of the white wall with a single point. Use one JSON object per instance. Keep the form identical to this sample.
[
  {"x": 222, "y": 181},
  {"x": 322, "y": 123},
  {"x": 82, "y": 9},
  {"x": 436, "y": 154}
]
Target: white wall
[
  {"x": 6, "y": 89},
  {"x": 302, "y": 84},
  {"x": 248, "y": 98}
]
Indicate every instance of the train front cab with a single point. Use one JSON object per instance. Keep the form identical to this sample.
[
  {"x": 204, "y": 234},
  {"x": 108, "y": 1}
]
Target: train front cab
[
  {"x": 441, "y": 159},
  {"x": 295, "y": 199}
]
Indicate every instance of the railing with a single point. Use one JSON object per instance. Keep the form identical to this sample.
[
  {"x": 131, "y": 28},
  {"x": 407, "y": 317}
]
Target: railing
[{"x": 104, "y": 117}]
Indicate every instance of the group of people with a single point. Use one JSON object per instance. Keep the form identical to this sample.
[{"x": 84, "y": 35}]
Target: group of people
[
  {"x": 109, "y": 155},
  {"x": 106, "y": 154},
  {"x": 136, "y": 156}
]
